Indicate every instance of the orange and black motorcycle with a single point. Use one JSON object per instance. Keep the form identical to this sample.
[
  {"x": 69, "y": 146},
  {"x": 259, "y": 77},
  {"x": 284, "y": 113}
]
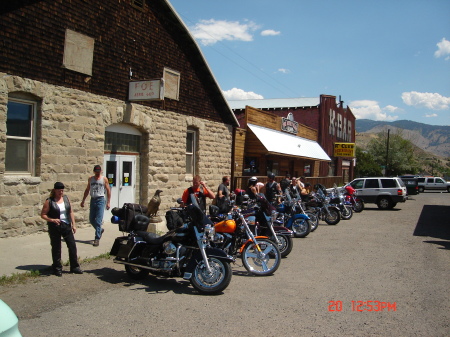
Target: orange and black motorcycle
[{"x": 260, "y": 256}]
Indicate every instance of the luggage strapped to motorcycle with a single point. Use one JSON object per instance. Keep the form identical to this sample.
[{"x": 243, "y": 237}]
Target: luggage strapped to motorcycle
[{"x": 129, "y": 211}]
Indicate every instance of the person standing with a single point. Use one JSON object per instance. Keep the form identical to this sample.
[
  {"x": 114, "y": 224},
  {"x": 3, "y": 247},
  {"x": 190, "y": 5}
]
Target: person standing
[
  {"x": 252, "y": 188},
  {"x": 96, "y": 187},
  {"x": 223, "y": 194},
  {"x": 200, "y": 190},
  {"x": 58, "y": 213},
  {"x": 272, "y": 188}
]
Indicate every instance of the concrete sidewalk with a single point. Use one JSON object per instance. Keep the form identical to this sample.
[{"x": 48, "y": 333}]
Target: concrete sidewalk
[{"x": 33, "y": 252}]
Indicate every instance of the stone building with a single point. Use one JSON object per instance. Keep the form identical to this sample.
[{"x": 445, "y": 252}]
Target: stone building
[{"x": 119, "y": 83}]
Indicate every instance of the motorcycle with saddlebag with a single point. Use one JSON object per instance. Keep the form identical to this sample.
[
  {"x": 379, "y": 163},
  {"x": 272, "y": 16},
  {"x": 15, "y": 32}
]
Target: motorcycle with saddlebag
[{"x": 184, "y": 251}]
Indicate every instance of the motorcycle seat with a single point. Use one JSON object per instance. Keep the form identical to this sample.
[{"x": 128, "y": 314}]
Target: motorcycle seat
[{"x": 151, "y": 238}]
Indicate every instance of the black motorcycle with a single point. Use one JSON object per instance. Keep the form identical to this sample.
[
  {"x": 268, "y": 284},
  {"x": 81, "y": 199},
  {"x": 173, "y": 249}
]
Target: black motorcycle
[{"x": 184, "y": 251}]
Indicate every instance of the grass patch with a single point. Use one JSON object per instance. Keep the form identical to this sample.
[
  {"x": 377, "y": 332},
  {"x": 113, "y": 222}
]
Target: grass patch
[{"x": 17, "y": 278}]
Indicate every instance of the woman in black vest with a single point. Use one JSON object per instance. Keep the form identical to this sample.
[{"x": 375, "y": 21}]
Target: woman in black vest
[{"x": 58, "y": 213}]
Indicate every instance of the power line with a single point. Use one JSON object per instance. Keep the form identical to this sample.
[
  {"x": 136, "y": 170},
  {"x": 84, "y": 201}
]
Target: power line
[{"x": 243, "y": 58}]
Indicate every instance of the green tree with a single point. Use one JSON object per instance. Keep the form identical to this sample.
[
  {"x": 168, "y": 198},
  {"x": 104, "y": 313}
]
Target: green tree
[
  {"x": 366, "y": 166},
  {"x": 400, "y": 155}
]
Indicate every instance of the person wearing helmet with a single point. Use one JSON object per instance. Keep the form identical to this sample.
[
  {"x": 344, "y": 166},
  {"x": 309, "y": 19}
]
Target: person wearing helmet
[
  {"x": 272, "y": 188},
  {"x": 252, "y": 188}
]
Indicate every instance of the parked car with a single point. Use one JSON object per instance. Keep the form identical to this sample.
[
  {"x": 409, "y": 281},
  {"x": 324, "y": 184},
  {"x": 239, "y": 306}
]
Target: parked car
[
  {"x": 433, "y": 183},
  {"x": 9, "y": 324},
  {"x": 383, "y": 191},
  {"x": 411, "y": 183}
]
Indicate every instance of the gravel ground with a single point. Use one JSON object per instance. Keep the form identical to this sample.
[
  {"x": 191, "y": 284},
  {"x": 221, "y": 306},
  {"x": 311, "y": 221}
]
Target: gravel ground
[{"x": 375, "y": 256}]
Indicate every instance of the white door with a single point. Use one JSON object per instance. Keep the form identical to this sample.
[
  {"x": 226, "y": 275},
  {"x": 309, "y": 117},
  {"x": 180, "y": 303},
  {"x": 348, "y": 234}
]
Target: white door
[{"x": 120, "y": 170}]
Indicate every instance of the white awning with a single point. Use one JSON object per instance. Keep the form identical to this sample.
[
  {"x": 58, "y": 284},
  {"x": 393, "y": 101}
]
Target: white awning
[{"x": 277, "y": 142}]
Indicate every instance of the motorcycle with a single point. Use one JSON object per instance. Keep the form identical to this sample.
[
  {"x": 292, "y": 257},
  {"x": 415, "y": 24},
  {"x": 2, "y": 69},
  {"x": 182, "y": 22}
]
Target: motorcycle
[
  {"x": 290, "y": 215},
  {"x": 260, "y": 256},
  {"x": 351, "y": 198},
  {"x": 263, "y": 223},
  {"x": 337, "y": 199},
  {"x": 320, "y": 206},
  {"x": 184, "y": 251}
]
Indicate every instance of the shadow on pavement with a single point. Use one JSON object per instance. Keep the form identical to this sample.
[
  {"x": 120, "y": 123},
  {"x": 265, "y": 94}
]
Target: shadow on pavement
[{"x": 434, "y": 222}]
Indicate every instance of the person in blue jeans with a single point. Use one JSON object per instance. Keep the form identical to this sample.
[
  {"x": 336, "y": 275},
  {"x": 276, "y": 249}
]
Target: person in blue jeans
[{"x": 97, "y": 187}]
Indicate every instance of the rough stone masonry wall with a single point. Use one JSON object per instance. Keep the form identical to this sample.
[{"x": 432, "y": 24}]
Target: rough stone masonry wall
[{"x": 73, "y": 124}]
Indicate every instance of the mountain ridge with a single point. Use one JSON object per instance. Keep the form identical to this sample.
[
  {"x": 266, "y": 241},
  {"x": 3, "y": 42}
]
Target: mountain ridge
[{"x": 430, "y": 138}]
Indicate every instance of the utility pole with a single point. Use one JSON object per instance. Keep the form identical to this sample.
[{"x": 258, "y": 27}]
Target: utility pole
[{"x": 387, "y": 154}]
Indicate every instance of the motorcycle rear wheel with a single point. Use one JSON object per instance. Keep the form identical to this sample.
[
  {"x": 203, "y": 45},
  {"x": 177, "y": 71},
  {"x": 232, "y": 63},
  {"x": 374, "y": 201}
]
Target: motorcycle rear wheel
[
  {"x": 211, "y": 282},
  {"x": 285, "y": 244},
  {"x": 261, "y": 263},
  {"x": 333, "y": 217},
  {"x": 136, "y": 273}
]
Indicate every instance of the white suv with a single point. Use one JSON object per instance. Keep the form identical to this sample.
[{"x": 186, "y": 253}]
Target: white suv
[
  {"x": 433, "y": 183},
  {"x": 383, "y": 191}
]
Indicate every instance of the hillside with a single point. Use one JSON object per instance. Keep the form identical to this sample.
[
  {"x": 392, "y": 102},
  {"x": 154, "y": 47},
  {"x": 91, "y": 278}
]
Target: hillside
[{"x": 434, "y": 139}]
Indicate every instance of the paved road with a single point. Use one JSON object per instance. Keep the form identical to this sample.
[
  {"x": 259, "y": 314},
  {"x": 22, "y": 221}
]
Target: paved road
[{"x": 400, "y": 257}]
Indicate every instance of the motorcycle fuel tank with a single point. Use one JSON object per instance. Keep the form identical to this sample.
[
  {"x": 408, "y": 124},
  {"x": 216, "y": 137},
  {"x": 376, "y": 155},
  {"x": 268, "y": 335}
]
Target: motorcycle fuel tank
[{"x": 225, "y": 226}]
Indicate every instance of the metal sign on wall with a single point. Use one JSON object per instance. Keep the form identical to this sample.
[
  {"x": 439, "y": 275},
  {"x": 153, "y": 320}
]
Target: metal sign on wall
[
  {"x": 344, "y": 149},
  {"x": 289, "y": 125},
  {"x": 150, "y": 90}
]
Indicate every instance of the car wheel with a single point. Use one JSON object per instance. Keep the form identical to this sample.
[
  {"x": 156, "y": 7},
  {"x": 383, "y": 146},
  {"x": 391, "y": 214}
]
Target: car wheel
[
  {"x": 421, "y": 189},
  {"x": 384, "y": 203}
]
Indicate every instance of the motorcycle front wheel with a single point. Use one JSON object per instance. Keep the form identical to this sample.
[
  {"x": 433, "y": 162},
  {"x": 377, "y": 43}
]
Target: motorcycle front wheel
[
  {"x": 358, "y": 206},
  {"x": 314, "y": 220},
  {"x": 302, "y": 227},
  {"x": 261, "y": 262},
  {"x": 285, "y": 244},
  {"x": 332, "y": 217},
  {"x": 347, "y": 213},
  {"x": 214, "y": 280},
  {"x": 136, "y": 273}
]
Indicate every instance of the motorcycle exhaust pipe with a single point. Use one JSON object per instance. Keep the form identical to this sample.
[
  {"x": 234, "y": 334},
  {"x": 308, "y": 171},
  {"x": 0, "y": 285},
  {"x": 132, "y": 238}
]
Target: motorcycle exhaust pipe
[{"x": 137, "y": 265}]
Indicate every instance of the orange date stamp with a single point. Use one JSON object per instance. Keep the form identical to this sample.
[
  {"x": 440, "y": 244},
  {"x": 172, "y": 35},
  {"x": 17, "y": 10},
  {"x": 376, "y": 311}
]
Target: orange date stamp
[{"x": 361, "y": 306}]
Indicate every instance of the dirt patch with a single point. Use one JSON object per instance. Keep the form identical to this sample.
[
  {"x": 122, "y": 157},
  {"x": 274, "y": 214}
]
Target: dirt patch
[{"x": 47, "y": 292}]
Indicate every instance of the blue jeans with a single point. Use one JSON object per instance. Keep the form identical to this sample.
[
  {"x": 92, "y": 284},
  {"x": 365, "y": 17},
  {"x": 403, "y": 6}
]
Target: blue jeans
[{"x": 96, "y": 210}]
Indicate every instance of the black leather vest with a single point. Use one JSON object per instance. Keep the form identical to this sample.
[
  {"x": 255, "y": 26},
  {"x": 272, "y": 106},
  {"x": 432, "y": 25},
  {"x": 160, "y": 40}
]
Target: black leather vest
[{"x": 54, "y": 212}]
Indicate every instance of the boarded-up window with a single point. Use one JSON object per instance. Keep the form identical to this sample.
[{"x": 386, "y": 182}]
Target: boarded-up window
[
  {"x": 171, "y": 84},
  {"x": 78, "y": 52}
]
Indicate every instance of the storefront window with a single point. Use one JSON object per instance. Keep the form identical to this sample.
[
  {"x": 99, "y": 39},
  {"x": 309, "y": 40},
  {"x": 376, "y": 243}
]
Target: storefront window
[{"x": 251, "y": 166}]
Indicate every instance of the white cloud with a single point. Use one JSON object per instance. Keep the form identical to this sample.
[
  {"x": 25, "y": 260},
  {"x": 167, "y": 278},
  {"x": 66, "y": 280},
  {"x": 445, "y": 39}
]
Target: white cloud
[
  {"x": 237, "y": 94},
  {"x": 431, "y": 115},
  {"x": 270, "y": 32},
  {"x": 443, "y": 49},
  {"x": 427, "y": 100},
  {"x": 284, "y": 71},
  {"x": 371, "y": 110},
  {"x": 211, "y": 31}
]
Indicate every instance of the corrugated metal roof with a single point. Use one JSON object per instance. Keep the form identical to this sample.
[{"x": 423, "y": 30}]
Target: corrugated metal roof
[
  {"x": 274, "y": 103},
  {"x": 278, "y": 142}
]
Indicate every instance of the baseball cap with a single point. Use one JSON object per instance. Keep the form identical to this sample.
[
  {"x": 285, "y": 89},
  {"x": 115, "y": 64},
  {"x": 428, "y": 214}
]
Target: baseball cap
[{"x": 97, "y": 168}]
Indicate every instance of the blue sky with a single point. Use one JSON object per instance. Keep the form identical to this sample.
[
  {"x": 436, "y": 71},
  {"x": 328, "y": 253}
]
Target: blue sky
[{"x": 387, "y": 59}]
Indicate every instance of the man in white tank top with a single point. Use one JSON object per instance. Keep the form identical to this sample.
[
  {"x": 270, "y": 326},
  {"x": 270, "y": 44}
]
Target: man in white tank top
[{"x": 96, "y": 187}]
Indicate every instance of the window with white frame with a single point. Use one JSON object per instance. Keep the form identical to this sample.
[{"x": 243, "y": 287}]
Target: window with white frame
[
  {"x": 191, "y": 150},
  {"x": 20, "y": 137}
]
